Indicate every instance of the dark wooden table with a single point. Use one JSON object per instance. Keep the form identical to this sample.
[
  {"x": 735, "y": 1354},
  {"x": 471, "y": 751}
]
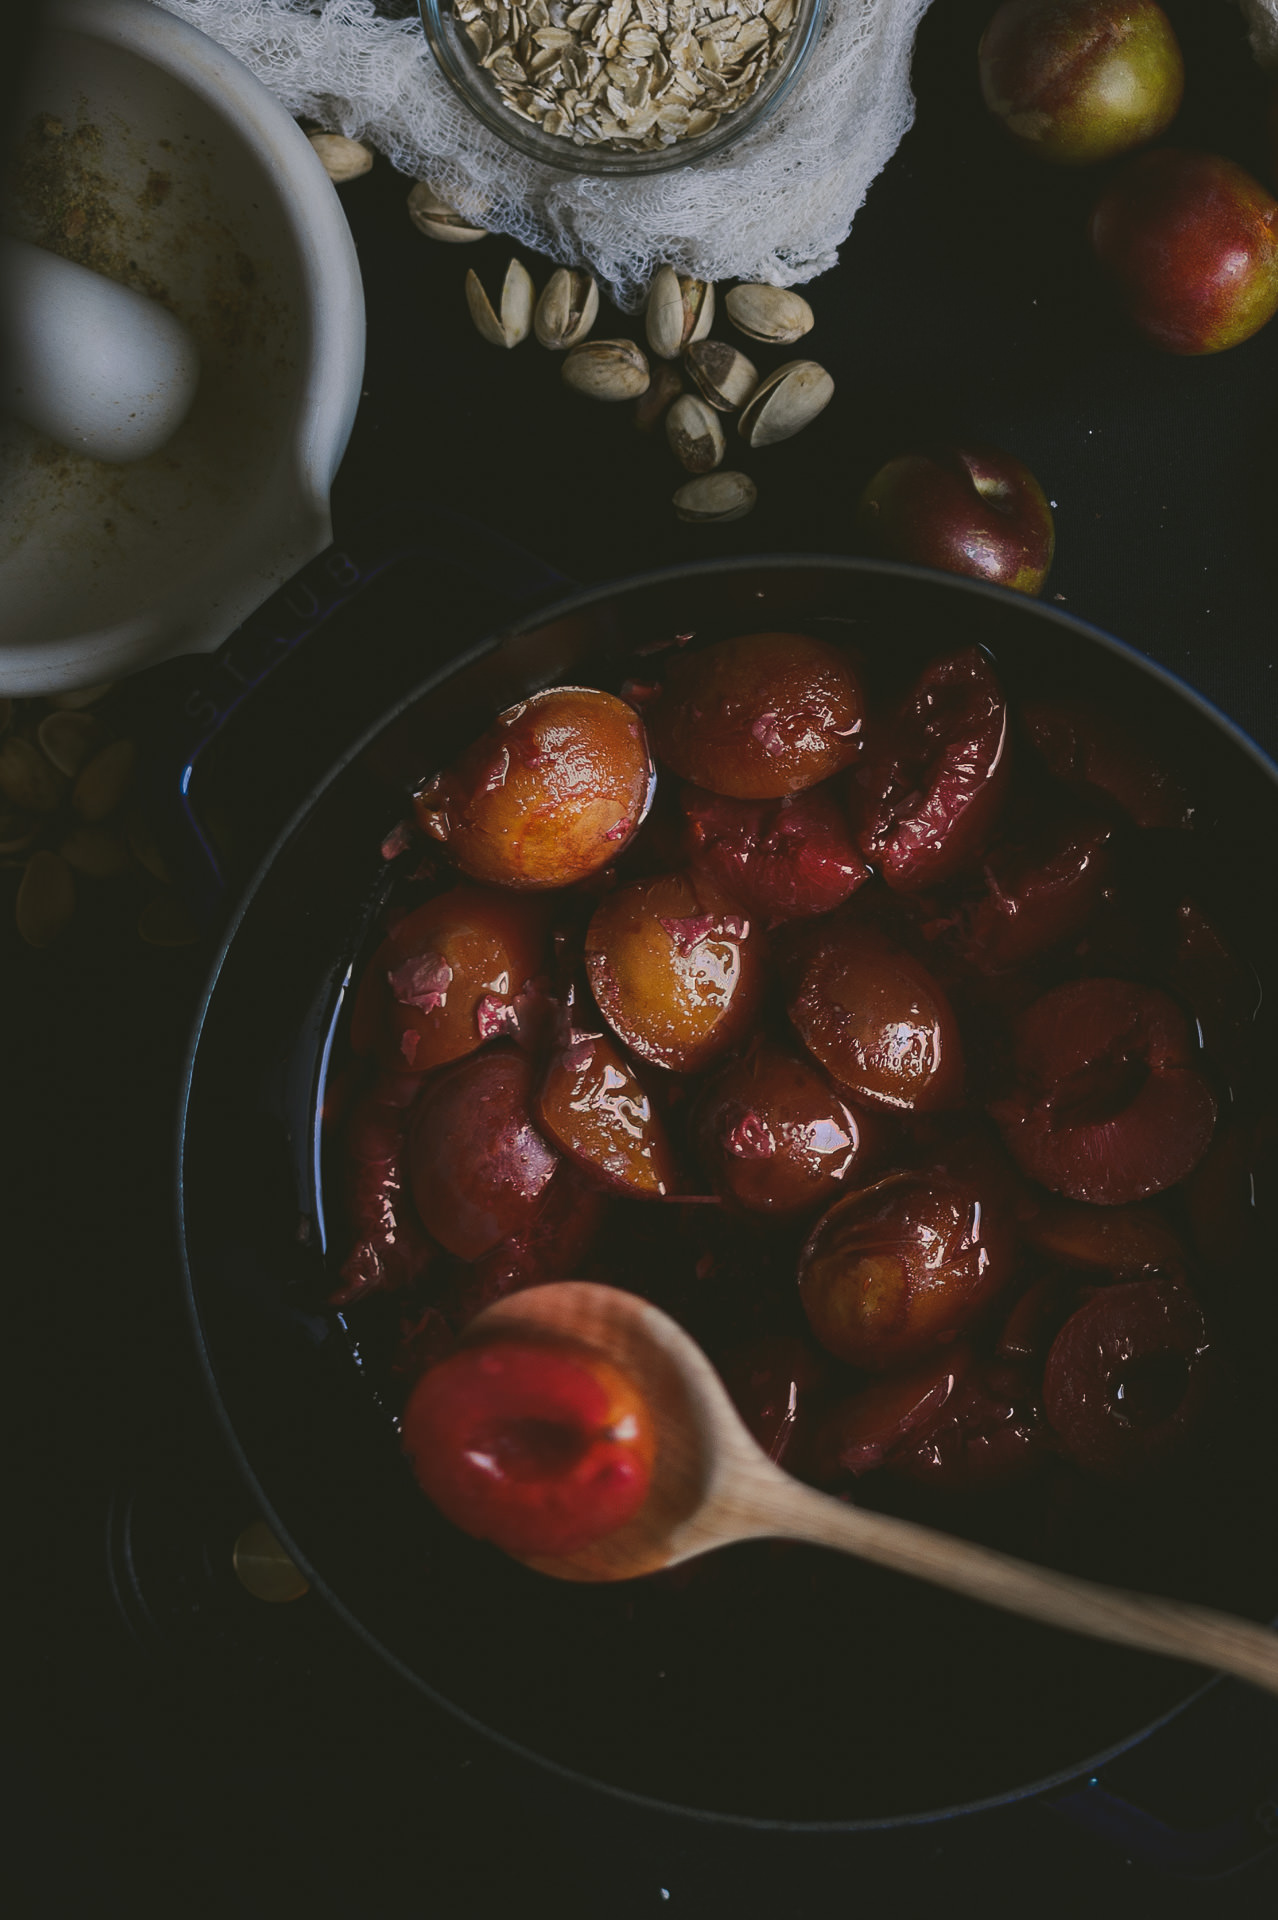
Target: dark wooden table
[{"x": 240, "y": 1760}]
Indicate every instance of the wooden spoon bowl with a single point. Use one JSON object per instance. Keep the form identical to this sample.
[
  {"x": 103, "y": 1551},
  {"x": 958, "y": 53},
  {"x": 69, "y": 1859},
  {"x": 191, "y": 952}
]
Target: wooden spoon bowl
[{"x": 712, "y": 1485}]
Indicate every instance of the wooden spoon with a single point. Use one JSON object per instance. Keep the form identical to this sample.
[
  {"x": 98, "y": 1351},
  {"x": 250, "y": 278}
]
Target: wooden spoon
[{"x": 712, "y": 1485}]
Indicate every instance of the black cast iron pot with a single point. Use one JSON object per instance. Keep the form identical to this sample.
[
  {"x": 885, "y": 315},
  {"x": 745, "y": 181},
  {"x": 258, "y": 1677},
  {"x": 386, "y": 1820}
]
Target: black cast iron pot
[{"x": 781, "y": 1685}]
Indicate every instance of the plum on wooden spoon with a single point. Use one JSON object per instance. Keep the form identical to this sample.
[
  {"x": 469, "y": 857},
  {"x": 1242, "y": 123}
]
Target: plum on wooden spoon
[{"x": 712, "y": 1485}]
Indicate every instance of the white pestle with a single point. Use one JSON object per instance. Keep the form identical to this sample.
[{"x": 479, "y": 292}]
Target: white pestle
[{"x": 99, "y": 368}]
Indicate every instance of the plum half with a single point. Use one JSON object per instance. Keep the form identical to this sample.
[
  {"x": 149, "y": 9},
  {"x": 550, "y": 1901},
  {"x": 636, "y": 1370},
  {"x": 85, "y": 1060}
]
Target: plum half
[
  {"x": 539, "y": 1449},
  {"x": 1108, "y": 1108}
]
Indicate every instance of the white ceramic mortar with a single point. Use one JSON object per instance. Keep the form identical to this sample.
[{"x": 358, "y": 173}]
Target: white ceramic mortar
[{"x": 187, "y": 180}]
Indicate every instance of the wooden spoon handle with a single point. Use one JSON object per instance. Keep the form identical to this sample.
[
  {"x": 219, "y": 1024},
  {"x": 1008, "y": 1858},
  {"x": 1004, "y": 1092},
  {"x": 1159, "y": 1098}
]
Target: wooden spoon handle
[{"x": 1173, "y": 1627}]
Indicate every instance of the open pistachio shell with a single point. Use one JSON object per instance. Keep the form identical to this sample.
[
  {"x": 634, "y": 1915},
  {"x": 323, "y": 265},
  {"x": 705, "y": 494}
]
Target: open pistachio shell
[
  {"x": 784, "y": 403},
  {"x": 511, "y": 322},
  {"x": 567, "y": 309}
]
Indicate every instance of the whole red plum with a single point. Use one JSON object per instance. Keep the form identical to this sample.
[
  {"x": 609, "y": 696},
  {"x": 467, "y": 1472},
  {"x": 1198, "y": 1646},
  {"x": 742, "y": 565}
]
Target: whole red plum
[
  {"x": 1191, "y": 243},
  {"x": 1077, "y": 81},
  {"x": 973, "y": 510}
]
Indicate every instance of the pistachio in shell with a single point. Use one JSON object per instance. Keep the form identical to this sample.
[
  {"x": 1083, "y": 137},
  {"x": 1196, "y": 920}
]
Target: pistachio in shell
[
  {"x": 784, "y": 403},
  {"x": 566, "y": 310},
  {"x": 342, "y": 159},
  {"x": 431, "y": 214},
  {"x": 725, "y": 377},
  {"x": 695, "y": 435},
  {"x": 607, "y": 370},
  {"x": 716, "y": 496},
  {"x": 27, "y": 779},
  {"x": 665, "y": 385},
  {"x": 680, "y": 310},
  {"x": 46, "y": 899},
  {"x": 775, "y": 315},
  {"x": 511, "y": 322}
]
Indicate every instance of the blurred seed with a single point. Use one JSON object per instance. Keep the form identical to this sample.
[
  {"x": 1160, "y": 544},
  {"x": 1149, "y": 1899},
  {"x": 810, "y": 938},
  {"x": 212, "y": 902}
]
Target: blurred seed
[
  {"x": 165, "y": 922},
  {"x": 342, "y": 159},
  {"x": 105, "y": 781},
  {"x": 78, "y": 697},
  {"x": 68, "y": 739},
  {"x": 46, "y": 899},
  {"x": 96, "y": 852},
  {"x": 144, "y": 846},
  {"x": 27, "y": 778}
]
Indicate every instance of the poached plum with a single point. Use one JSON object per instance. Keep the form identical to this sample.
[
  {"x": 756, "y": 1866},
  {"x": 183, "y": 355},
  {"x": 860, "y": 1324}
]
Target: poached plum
[
  {"x": 477, "y": 1165},
  {"x": 448, "y": 975},
  {"x": 901, "y": 1267},
  {"x": 878, "y": 1022},
  {"x": 758, "y": 717},
  {"x": 1127, "y": 1380},
  {"x": 772, "y": 1134},
  {"x": 538, "y": 1449},
  {"x": 788, "y": 859},
  {"x": 1108, "y": 1108},
  {"x": 676, "y": 969},
  {"x": 553, "y": 791},
  {"x": 929, "y": 796},
  {"x": 920, "y": 908}
]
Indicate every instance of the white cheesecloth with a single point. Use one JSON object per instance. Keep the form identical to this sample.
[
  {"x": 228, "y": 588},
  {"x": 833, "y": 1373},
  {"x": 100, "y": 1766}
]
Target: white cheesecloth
[{"x": 774, "y": 207}]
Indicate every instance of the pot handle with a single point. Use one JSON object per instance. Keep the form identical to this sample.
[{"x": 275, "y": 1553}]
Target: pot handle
[{"x": 513, "y": 582}]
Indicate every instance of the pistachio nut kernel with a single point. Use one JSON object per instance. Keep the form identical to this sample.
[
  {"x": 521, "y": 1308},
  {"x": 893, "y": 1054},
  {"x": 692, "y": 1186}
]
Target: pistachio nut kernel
[
  {"x": 431, "y": 214},
  {"x": 512, "y": 320},
  {"x": 775, "y": 315},
  {"x": 784, "y": 403},
  {"x": 695, "y": 435},
  {"x": 607, "y": 370},
  {"x": 725, "y": 377},
  {"x": 342, "y": 159},
  {"x": 716, "y": 496},
  {"x": 566, "y": 310}
]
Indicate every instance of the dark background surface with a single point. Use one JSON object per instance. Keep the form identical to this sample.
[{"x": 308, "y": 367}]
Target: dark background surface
[{"x": 192, "y": 1749}]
